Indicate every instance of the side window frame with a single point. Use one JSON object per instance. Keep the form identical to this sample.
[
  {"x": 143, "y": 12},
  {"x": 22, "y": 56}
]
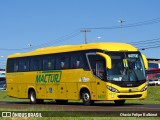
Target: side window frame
[
  {"x": 48, "y": 62},
  {"x": 93, "y": 65}
]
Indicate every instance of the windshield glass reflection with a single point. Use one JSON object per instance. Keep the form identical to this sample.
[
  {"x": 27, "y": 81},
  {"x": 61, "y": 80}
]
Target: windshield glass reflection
[{"x": 126, "y": 67}]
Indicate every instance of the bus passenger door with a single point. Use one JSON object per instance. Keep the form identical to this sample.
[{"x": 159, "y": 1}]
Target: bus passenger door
[
  {"x": 100, "y": 81},
  {"x": 97, "y": 67}
]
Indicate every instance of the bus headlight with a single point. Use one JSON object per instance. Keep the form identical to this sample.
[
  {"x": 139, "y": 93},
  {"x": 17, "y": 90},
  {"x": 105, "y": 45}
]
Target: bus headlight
[
  {"x": 112, "y": 89},
  {"x": 144, "y": 88}
]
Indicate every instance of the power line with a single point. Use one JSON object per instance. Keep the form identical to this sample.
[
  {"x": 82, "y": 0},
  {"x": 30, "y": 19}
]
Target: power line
[
  {"x": 146, "y": 41},
  {"x": 142, "y": 23},
  {"x": 147, "y": 44},
  {"x": 63, "y": 38},
  {"x": 58, "y": 40},
  {"x": 151, "y": 47}
]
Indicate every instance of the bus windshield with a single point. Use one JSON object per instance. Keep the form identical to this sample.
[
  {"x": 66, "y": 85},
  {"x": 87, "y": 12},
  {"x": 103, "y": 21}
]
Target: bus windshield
[{"x": 126, "y": 66}]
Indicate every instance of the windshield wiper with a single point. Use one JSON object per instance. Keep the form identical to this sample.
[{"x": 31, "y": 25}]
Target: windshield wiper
[
  {"x": 133, "y": 73},
  {"x": 125, "y": 75}
]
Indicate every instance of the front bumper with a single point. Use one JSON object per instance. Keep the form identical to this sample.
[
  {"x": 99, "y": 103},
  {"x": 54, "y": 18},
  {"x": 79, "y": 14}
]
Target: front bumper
[{"x": 127, "y": 96}]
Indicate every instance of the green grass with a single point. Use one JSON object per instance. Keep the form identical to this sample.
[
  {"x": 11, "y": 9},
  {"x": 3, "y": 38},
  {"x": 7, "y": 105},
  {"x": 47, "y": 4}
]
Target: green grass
[
  {"x": 153, "y": 96},
  {"x": 4, "y": 97}
]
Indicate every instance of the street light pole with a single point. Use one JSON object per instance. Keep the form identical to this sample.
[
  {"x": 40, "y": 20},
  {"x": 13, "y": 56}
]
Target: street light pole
[
  {"x": 121, "y": 21},
  {"x": 85, "y": 34}
]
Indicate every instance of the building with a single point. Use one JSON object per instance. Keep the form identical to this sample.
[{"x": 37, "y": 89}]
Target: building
[{"x": 153, "y": 63}]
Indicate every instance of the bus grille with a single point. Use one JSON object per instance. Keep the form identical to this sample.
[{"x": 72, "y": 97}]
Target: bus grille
[{"x": 129, "y": 96}]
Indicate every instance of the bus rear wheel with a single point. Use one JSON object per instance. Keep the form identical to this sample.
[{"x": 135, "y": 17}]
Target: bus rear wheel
[
  {"x": 86, "y": 98},
  {"x": 32, "y": 97},
  {"x": 119, "y": 102}
]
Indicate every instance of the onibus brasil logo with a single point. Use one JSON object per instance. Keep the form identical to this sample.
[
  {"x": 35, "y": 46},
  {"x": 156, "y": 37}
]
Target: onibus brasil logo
[{"x": 48, "y": 76}]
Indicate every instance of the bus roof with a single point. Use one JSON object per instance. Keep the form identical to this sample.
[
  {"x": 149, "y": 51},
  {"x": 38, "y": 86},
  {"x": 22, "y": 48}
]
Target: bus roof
[{"x": 107, "y": 46}]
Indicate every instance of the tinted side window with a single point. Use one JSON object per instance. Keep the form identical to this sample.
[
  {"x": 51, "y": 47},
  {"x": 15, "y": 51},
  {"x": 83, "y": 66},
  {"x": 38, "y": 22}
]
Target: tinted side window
[
  {"x": 10, "y": 65},
  {"x": 62, "y": 62},
  {"x": 23, "y": 64},
  {"x": 100, "y": 69},
  {"x": 97, "y": 64},
  {"x": 16, "y": 66},
  {"x": 77, "y": 61},
  {"x": 48, "y": 63},
  {"x": 35, "y": 64}
]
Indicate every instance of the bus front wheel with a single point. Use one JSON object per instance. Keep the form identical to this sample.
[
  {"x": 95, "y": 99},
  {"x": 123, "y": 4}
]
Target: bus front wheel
[
  {"x": 86, "y": 98},
  {"x": 119, "y": 102}
]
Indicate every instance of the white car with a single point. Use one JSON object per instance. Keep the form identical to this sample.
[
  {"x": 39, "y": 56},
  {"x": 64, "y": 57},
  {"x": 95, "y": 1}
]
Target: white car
[
  {"x": 2, "y": 85},
  {"x": 157, "y": 81},
  {"x": 153, "y": 82}
]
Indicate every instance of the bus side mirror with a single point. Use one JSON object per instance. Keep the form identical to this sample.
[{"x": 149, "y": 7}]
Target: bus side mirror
[
  {"x": 107, "y": 59},
  {"x": 145, "y": 61}
]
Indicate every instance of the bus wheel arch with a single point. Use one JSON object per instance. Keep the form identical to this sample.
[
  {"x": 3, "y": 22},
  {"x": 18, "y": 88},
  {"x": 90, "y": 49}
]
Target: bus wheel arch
[{"x": 86, "y": 97}]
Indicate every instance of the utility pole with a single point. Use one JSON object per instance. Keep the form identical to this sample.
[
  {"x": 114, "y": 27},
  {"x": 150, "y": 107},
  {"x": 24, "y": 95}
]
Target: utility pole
[
  {"x": 121, "y": 22},
  {"x": 85, "y": 34}
]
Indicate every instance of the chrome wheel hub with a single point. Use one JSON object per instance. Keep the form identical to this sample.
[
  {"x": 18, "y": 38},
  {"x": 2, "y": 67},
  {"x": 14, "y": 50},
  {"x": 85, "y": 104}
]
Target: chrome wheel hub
[{"x": 86, "y": 97}]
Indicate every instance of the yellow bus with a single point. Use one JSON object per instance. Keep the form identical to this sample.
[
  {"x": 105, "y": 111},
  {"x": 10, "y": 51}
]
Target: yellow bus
[{"x": 87, "y": 72}]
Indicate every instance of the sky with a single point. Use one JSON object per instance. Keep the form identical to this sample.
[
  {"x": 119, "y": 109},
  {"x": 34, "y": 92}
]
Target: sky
[{"x": 29, "y": 24}]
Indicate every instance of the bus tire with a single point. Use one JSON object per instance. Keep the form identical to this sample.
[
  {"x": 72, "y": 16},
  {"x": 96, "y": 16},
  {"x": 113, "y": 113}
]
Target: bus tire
[
  {"x": 119, "y": 102},
  {"x": 61, "y": 101},
  {"x": 32, "y": 97},
  {"x": 86, "y": 98}
]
